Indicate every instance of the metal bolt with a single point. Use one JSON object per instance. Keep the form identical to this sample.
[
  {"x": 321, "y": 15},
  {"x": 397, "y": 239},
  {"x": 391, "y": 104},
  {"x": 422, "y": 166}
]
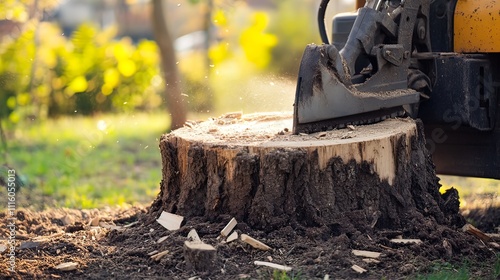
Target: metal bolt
[
  {"x": 421, "y": 32},
  {"x": 421, "y": 29}
]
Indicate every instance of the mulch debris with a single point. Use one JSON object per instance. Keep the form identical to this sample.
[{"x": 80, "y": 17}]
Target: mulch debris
[{"x": 118, "y": 243}]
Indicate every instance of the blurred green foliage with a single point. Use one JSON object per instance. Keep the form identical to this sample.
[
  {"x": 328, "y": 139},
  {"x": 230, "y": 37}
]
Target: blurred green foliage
[
  {"x": 295, "y": 25},
  {"x": 47, "y": 74}
]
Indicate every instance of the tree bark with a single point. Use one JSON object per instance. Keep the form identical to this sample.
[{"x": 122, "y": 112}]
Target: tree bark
[
  {"x": 175, "y": 102},
  {"x": 359, "y": 179}
]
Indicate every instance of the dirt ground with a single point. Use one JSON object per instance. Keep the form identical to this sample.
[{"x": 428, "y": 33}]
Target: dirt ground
[{"x": 117, "y": 243}]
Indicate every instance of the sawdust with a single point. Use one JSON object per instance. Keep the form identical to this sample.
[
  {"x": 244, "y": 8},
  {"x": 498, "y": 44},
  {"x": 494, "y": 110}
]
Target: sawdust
[{"x": 252, "y": 129}]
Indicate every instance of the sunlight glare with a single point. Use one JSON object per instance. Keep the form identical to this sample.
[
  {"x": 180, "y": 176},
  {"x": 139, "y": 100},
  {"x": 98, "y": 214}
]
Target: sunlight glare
[{"x": 102, "y": 125}]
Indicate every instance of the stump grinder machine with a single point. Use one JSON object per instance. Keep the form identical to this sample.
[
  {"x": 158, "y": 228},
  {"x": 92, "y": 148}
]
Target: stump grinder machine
[{"x": 437, "y": 60}]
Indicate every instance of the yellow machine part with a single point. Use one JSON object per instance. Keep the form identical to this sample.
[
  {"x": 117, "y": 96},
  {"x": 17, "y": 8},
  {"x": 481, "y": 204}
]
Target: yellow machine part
[{"x": 476, "y": 26}]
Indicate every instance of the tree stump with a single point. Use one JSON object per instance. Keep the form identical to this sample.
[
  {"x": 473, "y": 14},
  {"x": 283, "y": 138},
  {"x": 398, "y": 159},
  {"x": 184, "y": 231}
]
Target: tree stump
[{"x": 253, "y": 168}]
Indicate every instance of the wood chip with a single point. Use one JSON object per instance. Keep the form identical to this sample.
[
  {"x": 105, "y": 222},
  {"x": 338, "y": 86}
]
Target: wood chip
[
  {"x": 110, "y": 226},
  {"x": 94, "y": 222},
  {"x": 358, "y": 269},
  {"x": 476, "y": 232},
  {"x": 67, "y": 220},
  {"x": 370, "y": 260},
  {"x": 232, "y": 237},
  {"x": 193, "y": 235},
  {"x": 494, "y": 236},
  {"x": 447, "y": 248},
  {"x": 254, "y": 242},
  {"x": 321, "y": 134},
  {"x": 228, "y": 228},
  {"x": 67, "y": 266},
  {"x": 406, "y": 241},
  {"x": 131, "y": 224},
  {"x": 152, "y": 253},
  {"x": 232, "y": 115},
  {"x": 39, "y": 239},
  {"x": 158, "y": 256},
  {"x": 161, "y": 239},
  {"x": 273, "y": 265},
  {"x": 47, "y": 238},
  {"x": 386, "y": 247},
  {"x": 2, "y": 248},
  {"x": 170, "y": 221},
  {"x": 366, "y": 254},
  {"x": 347, "y": 135},
  {"x": 351, "y": 127},
  {"x": 494, "y": 245}
]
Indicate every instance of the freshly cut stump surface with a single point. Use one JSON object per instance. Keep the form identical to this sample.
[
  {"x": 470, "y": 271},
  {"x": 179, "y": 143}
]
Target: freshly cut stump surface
[{"x": 253, "y": 168}]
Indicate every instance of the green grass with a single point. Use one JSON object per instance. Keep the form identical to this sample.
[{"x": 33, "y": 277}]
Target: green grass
[
  {"x": 469, "y": 185},
  {"x": 446, "y": 271},
  {"x": 496, "y": 268},
  {"x": 474, "y": 192},
  {"x": 87, "y": 162},
  {"x": 283, "y": 275},
  {"x": 439, "y": 270}
]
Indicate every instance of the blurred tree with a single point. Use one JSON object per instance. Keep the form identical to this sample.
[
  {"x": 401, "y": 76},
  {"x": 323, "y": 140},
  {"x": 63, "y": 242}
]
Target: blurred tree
[{"x": 175, "y": 102}]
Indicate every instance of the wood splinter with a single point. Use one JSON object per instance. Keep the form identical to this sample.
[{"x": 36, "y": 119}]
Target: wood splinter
[
  {"x": 358, "y": 269},
  {"x": 406, "y": 241},
  {"x": 158, "y": 256},
  {"x": 232, "y": 237},
  {"x": 170, "y": 221},
  {"x": 67, "y": 266},
  {"x": 254, "y": 242},
  {"x": 228, "y": 228},
  {"x": 476, "y": 232},
  {"x": 367, "y": 254},
  {"x": 273, "y": 265},
  {"x": 193, "y": 236}
]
